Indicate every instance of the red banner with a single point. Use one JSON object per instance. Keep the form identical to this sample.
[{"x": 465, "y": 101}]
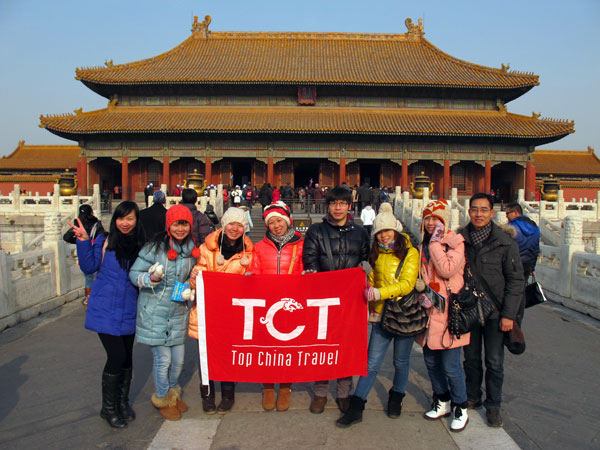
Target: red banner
[{"x": 282, "y": 328}]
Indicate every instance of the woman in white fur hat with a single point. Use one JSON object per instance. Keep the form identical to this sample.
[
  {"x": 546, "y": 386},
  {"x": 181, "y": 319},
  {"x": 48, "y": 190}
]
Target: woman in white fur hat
[{"x": 226, "y": 250}]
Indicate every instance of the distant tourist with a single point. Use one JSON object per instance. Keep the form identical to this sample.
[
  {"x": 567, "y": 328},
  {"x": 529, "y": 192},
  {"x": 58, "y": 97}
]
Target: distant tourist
[{"x": 152, "y": 219}]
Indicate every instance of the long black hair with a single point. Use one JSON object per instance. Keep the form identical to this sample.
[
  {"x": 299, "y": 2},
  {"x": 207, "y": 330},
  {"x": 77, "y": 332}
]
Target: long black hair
[
  {"x": 400, "y": 248},
  {"x": 125, "y": 246}
]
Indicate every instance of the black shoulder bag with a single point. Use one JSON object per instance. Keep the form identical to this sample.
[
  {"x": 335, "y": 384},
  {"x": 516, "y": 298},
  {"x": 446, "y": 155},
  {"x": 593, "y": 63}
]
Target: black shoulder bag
[{"x": 404, "y": 316}]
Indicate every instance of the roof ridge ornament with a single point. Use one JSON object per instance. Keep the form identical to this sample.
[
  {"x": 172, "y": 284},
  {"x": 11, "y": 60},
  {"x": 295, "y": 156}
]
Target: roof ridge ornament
[
  {"x": 501, "y": 106},
  {"x": 414, "y": 31},
  {"x": 535, "y": 116},
  {"x": 201, "y": 27},
  {"x": 108, "y": 64},
  {"x": 504, "y": 68}
]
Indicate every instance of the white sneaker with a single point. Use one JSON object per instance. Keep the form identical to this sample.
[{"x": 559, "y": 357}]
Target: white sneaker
[
  {"x": 438, "y": 409},
  {"x": 460, "y": 419}
]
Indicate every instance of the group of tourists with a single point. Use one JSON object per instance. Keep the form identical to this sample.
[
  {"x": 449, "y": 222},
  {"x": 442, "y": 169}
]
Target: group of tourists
[{"x": 146, "y": 291}]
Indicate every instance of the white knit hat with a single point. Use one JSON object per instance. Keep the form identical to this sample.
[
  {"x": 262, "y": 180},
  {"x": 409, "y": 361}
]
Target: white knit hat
[
  {"x": 235, "y": 215},
  {"x": 386, "y": 221}
]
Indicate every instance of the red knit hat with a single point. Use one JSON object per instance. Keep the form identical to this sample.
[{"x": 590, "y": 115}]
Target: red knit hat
[
  {"x": 175, "y": 214},
  {"x": 441, "y": 210},
  {"x": 277, "y": 209}
]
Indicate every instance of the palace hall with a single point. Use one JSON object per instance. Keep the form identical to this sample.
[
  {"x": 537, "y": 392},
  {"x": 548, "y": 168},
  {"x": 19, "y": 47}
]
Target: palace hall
[{"x": 290, "y": 107}]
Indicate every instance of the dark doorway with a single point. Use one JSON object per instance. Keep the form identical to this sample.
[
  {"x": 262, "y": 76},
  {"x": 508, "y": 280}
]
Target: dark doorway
[
  {"x": 370, "y": 173},
  {"x": 109, "y": 174},
  {"x": 304, "y": 172},
  {"x": 504, "y": 182},
  {"x": 241, "y": 171}
]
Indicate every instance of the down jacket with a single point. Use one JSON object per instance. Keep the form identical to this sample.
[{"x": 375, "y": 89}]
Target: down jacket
[
  {"x": 498, "y": 264},
  {"x": 349, "y": 246},
  {"x": 268, "y": 259},
  {"x": 528, "y": 240},
  {"x": 207, "y": 262},
  {"x": 383, "y": 277},
  {"x": 160, "y": 320},
  {"x": 446, "y": 267},
  {"x": 113, "y": 301}
]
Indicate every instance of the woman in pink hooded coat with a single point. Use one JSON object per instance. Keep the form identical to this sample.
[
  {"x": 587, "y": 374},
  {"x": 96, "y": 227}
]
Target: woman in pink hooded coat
[{"x": 442, "y": 268}]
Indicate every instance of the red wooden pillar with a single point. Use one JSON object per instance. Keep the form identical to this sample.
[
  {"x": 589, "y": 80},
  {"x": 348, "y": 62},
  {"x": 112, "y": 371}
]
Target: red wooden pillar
[
  {"x": 125, "y": 178},
  {"x": 446, "y": 178},
  {"x": 342, "y": 170},
  {"x": 404, "y": 174},
  {"x": 208, "y": 170},
  {"x": 530, "y": 174},
  {"x": 488, "y": 176},
  {"x": 82, "y": 180},
  {"x": 166, "y": 174},
  {"x": 270, "y": 177}
]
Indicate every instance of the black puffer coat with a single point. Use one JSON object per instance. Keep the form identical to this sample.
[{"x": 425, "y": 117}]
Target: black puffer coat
[
  {"x": 498, "y": 263},
  {"x": 349, "y": 246}
]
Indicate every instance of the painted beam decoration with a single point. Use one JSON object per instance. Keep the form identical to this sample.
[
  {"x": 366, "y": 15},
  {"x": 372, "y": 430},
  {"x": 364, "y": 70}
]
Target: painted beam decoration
[{"x": 274, "y": 328}]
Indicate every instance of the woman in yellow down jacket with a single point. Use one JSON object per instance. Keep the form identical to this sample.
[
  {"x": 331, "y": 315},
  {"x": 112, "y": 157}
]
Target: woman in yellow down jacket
[{"x": 390, "y": 248}]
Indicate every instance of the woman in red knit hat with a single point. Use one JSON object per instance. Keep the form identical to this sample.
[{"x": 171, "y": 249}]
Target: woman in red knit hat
[
  {"x": 280, "y": 252},
  {"x": 162, "y": 272}
]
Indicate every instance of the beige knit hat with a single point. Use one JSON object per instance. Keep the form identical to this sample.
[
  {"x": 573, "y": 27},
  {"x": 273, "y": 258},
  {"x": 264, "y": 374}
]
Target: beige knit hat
[
  {"x": 386, "y": 221},
  {"x": 235, "y": 215}
]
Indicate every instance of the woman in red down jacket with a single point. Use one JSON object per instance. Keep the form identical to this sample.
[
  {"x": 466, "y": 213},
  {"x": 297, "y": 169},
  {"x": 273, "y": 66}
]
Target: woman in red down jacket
[{"x": 280, "y": 252}]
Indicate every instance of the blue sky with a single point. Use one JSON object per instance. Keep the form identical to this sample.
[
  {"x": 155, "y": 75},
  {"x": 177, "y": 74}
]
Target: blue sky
[{"x": 42, "y": 42}]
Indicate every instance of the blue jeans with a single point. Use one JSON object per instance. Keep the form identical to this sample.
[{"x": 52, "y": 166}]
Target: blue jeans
[
  {"x": 446, "y": 373},
  {"x": 378, "y": 345},
  {"x": 493, "y": 344},
  {"x": 89, "y": 279},
  {"x": 168, "y": 363}
]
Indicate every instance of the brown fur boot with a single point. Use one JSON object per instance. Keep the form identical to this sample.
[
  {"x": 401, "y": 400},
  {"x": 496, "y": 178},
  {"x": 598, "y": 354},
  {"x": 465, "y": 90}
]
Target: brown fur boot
[
  {"x": 166, "y": 405},
  {"x": 285, "y": 394},
  {"x": 180, "y": 405},
  {"x": 268, "y": 397}
]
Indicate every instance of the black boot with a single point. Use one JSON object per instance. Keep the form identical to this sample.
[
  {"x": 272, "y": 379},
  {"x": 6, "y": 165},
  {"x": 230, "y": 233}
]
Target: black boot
[
  {"x": 208, "y": 398},
  {"x": 123, "y": 408},
  {"x": 395, "y": 404},
  {"x": 227, "y": 398},
  {"x": 353, "y": 414},
  {"x": 110, "y": 396}
]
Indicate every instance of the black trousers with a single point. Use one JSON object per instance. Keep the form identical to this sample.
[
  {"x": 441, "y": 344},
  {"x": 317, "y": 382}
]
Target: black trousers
[{"x": 119, "y": 352}]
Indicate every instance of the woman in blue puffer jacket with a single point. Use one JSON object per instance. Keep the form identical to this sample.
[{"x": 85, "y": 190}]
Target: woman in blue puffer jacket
[
  {"x": 112, "y": 304},
  {"x": 161, "y": 271}
]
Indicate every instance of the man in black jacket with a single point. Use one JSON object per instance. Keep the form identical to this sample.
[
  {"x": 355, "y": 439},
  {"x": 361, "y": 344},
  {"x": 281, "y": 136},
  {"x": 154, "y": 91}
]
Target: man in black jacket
[
  {"x": 349, "y": 247},
  {"x": 494, "y": 258},
  {"x": 201, "y": 226},
  {"x": 153, "y": 219}
]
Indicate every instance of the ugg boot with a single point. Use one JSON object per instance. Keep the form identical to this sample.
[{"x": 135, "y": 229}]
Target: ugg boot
[
  {"x": 285, "y": 395},
  {"x": 440, "y": 407},
  {"x": 166, "y": 405},
  {"x": 268, "y": 402},
  {"x": 125, "y": 411},
  {"x": 395, "y": 404},
  {"x": 110, "y": 395},
  {"x": 460, "y": 418},
  {"x": 84, "y": 302},
  {"x": 353, "y": 414},
  {"x": 180, "y": 405},
  {"x": 227, "y": 398},
  {"x": 208, "y": 398}
]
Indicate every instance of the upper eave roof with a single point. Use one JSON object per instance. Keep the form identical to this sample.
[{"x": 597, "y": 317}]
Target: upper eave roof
[
  {"x": 36, "y": 157},
  {"x": 306, "y": 120},
  {"x": 566, "y": 162},
  {"x": 303, "y": 58}
]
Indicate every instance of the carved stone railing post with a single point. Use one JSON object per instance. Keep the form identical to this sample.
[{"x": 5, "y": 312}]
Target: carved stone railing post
[
  {"x": 54, "y": 242},
  {"x": 218, "y": 201},
  {"x": 19, "y": 242},
  {"x": 96, "y": 200},
  {"x": 520, "y": 196},
  {"x": 561, "y": 206},
  {"x": 597, "y": 246},
  {"x": 7, "y": 295},
  {"x": 572, "y": 242},
  {"x": 16, "y": 198},
  {"x": 598, "y": 205}
]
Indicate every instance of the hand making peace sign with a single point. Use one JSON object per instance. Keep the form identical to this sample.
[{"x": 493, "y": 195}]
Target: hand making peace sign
[{"x": 79, "y": 231}]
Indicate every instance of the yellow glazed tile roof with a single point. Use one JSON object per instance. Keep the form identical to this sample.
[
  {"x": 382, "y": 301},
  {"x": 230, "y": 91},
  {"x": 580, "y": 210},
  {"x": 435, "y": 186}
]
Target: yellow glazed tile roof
[
  {"x": 307, "y": 58},
  {"x": 36, "y": 157},
  {"x": 305, "y": 120},
  {"x": 566, "y": 162}
]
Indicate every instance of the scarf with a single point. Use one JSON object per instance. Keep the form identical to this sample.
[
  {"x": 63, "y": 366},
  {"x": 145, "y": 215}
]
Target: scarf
[
  {"x": 478, "y": 237},
  {"x": 280, "y": 241}
]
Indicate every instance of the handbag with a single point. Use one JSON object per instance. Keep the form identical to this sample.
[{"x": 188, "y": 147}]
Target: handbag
[
  {"x": 404, "y": 316},
  {"x": 514, "y": 340},
  {"x": 470, "y": 307},
  {"x": 534, "y": 294}
]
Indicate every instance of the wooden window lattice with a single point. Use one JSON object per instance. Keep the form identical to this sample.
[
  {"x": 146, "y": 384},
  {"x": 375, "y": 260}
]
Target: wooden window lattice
[{"x": 307, "y": 95}]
